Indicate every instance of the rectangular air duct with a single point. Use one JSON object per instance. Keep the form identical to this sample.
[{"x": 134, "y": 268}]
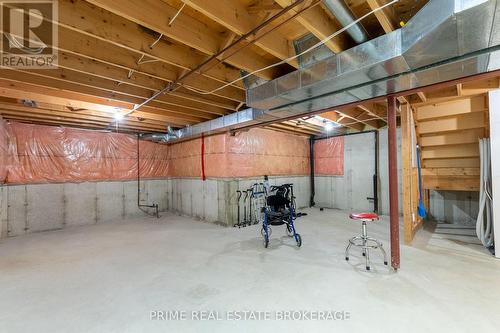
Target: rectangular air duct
[{"x": 445, "y": 40}]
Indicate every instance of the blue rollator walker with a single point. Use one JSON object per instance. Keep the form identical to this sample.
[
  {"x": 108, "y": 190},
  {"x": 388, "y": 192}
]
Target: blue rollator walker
[{"x": 280, "y": 210}]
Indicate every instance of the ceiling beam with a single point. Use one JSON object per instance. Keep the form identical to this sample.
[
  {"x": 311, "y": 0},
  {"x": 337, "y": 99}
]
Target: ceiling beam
[
  {"x": 293, "y": 129},
  {"x": 374, "y": 110},
  {"x": 121, "y": 101},
  {"x": 57, "y": 110},
  {"x": 82, "y": 17},
  {"x": 36, "y": 93},
  {"x": 435, "y": 96},
  {"x": 66, "y": 121},
  {"x": 339, "y": 119},
  {"x": 382, "y": 17},
  {"x": 358, "y": 114},
  {"x": 319, "y": 23},
  {"x": 259, "y": 8},
  {"x": 155, "y": 15},
  {"x": 65, "y": 116},
  {"x": 83, "y": 53},
  {"x": 234, "y": 16},
  {"x": 422, "y": 96},
  {"x": 52, "y": 122},
  {"x": 138, "y": 116},
  {"x": 111, "y": 89}
]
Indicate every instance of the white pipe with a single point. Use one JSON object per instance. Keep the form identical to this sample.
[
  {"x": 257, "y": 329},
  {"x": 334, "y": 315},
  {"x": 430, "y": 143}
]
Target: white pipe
[{"x": 484, "y": 230}]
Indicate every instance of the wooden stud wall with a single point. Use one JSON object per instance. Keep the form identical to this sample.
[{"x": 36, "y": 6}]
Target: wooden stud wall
[{"x": 412, "y": 222}]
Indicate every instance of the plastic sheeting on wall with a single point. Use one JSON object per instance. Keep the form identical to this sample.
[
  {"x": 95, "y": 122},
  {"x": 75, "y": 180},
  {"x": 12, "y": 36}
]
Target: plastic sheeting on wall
[
  {"x": 329, "y": 156},
  {"x": 39, "y": 154},
  {"x": 257, "y": 152},
  {"x": 260, "y": 152},
  {"x": 3, "y": 151}
]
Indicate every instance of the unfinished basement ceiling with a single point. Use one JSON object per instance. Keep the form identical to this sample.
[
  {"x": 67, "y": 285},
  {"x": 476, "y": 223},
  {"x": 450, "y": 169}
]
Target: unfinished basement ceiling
[
  {"x": 438, "y": 45},
  {"x": 446, "y": 40},
  {"x": 115, "y": 55}
]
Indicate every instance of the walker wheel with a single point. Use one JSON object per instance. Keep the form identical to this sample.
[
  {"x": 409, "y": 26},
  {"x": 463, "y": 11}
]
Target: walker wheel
[
  {"x": 299, "y": 240},
  {"x": 269, "y": 232},
  {"x": 266, "y": 242}
]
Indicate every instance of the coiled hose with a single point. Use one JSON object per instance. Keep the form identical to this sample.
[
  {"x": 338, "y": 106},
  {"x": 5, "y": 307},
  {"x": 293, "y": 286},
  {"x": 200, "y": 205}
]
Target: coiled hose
[{"x": 484, "y": 225}]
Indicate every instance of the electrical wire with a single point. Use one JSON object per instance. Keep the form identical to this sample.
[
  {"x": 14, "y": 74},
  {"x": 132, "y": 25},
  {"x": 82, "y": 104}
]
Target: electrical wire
[
  {"x": 284, "y": 61},
  {"x": 174, "y": 85},
  {"x": 170, "y": 86},
  {"x": 177, "y": 14}
]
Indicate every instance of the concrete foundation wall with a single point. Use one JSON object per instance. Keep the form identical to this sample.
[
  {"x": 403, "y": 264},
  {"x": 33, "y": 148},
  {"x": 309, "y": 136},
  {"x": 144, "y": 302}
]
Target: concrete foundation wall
[
  {"x": 350, "y": 192},
  {"x": 454, "y": 206},
  {"x": 41, "y": 207},
  {"x": 215, "y": 200}
]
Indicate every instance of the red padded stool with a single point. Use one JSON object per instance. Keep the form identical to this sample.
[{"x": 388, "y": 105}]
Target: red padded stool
[{"x": 363, "y": 241}]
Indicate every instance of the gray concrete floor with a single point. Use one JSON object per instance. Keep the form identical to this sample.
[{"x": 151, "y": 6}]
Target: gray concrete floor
[{"x": 108, "y": 277}]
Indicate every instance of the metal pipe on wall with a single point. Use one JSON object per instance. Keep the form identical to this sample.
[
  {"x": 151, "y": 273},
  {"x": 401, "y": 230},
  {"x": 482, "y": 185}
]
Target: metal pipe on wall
[
  {"x": 375, "y": 197},
  {"x": 154, "y": 206},
  {"x": 393, "y": 180}
]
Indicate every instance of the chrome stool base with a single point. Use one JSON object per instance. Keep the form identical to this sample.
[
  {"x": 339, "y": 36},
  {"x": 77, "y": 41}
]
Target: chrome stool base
[{"x": 366, "y": 243}]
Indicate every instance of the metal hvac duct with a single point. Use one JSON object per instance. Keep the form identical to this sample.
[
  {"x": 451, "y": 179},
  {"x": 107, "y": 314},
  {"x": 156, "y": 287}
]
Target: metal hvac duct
[
  {"x": 445, "y": 40},
  {"x": 344, "y": 15},
  {"x": 224, "y": 123}
]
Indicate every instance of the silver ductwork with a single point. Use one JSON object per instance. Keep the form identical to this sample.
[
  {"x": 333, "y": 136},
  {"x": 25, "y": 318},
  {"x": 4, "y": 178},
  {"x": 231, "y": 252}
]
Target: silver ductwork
[
  {"x": 225, "y": 123},
  {"x": 305, "y": 43},
  {"x": 344, "y": 15},
  {"x": 445, "y": 40}
]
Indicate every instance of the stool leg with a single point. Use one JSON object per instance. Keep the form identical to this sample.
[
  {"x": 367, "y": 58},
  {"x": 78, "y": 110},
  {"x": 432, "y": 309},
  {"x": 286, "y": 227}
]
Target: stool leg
[
  {"x": 381, "y": 247},
  {"x": 367, "y": 257},
  {"x": 366, "y": 251},
  {"x": 347, "y": 251},
  {"x": 364, "y": 236}
]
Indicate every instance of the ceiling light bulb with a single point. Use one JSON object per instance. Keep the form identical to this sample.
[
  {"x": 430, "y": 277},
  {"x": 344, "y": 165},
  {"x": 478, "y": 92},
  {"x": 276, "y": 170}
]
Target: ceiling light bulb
[
  {"x": 328, "y": 126},
  {"x": 118, "y": 116}
]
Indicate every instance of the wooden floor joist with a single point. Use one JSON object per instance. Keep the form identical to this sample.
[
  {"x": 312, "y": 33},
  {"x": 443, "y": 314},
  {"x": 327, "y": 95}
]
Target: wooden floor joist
[{"x": 115, "y": 54}]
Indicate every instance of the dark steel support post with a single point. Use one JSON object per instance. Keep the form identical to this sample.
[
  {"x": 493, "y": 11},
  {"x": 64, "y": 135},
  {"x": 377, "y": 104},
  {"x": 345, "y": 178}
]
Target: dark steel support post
[
  {"x": 393, "y": 180},
  {"x": 375, "y": 176},
  {"x": 311, "y": 165}
]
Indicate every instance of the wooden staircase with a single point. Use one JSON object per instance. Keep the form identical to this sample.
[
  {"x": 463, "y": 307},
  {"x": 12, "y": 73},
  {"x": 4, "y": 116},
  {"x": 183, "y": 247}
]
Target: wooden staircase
[{"x": 449, "y": 133}]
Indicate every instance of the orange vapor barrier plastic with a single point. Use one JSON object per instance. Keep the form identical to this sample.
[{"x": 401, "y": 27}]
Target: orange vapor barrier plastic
[
  {"x": 44, "y": 154},
  {"x": 329, "y": 156},
  {"x": 3, "y": 151},
  {"x": 257, "y": 152},
  {"x": 40, "y": 154}
]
